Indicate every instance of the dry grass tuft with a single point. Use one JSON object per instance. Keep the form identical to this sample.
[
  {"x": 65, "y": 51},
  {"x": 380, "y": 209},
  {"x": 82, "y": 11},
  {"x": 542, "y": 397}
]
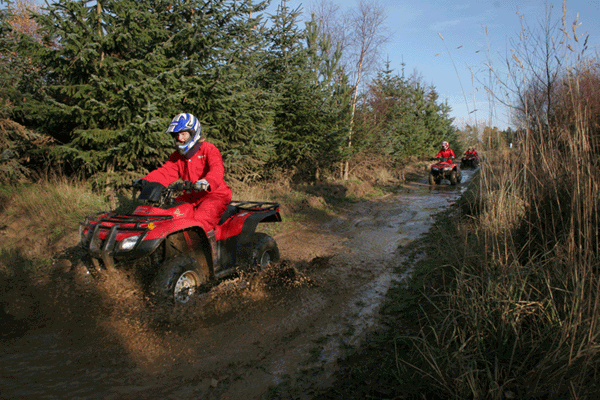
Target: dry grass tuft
[
  {"x": 513, "y": 311},
  {"x": 37, "y": 217}
]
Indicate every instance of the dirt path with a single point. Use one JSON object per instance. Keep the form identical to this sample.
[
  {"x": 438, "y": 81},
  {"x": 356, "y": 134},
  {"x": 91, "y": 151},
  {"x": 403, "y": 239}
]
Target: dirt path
[{"x": 285, "y": 327}]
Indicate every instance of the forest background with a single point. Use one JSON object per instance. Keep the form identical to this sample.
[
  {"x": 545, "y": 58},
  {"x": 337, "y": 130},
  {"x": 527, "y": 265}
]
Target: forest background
[{"x": 98, "y": 81}]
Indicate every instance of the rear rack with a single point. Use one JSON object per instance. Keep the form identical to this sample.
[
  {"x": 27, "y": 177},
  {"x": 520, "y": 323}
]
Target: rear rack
[{"x": 254, "y": 205}]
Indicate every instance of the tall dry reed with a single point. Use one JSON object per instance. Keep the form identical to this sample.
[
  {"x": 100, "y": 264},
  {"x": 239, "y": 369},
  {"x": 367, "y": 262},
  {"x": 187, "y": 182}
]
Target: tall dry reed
[{"x": 517, "y": 316}]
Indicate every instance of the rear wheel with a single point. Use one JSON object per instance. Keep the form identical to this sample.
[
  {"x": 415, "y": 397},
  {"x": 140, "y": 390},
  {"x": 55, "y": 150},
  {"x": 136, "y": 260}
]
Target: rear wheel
[
  {"x": 264, "y": 250},
  {"x": 179, "y": 279}
]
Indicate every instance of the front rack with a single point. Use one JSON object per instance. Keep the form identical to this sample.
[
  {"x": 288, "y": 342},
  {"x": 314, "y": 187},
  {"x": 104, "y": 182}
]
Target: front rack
[
  {"x": 110, "y": 217},
  {"x": 112, "y": 223}
]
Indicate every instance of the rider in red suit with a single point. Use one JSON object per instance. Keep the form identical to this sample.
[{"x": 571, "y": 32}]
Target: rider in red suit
[
  {"x": 445, "y": 152},
  {"x": 197, "y": 161}
]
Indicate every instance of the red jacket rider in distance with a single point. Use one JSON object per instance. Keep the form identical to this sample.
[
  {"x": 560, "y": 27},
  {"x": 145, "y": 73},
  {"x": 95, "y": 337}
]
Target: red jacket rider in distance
[{"x": 445, "y": 152}]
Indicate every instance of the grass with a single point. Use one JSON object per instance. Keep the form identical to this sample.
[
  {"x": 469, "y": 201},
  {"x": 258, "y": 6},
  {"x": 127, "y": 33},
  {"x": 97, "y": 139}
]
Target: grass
[
  {"x": 37, "y": 216},
  {"x": 39, "y": 221}
]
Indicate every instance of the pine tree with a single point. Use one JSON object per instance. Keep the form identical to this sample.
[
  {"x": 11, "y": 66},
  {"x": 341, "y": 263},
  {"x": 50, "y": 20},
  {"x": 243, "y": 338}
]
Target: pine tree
[
  {"x": 408, "y": 118},
  {"x": 17, "y": 43},
  {"x": 310, "y": 119},
  {"x": 117, "y": 71}
]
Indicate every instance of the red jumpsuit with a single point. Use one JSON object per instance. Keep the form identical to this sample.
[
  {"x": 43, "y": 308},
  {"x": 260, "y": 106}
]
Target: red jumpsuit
[
  {"x": 203, "y": 161},
  {"x": 445, "y": 153}
]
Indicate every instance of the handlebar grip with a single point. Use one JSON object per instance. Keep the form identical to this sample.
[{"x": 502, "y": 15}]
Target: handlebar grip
[{"x": 185, "y": 185}]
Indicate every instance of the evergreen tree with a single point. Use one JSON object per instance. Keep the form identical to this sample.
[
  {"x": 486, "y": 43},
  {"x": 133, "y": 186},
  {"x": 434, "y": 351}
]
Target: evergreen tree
[
  {"x": 332, "y": 107},
  {"x": 7, "y": 70},
  {"x": 408, "y": 118},
  {"x": 311, "y": 117},
  {"x": 117, "y": 71},
  {"x": 17, "y": 43}
]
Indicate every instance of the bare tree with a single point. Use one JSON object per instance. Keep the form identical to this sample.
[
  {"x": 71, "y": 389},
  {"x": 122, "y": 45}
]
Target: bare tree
[
  {"x": 368, "y": 35},
  {"x": 360, "y": 34},
  {"x": 21, "y": 18},
  {"x": 331, "y": 23}
]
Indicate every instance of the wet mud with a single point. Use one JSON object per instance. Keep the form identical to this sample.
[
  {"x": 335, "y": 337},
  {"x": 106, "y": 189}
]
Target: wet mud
[{"x": 74, "y": 336}]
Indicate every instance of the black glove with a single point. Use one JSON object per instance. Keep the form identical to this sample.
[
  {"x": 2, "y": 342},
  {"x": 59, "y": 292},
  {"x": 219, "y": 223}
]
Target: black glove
[
  {"x": 151, "y": 192},
  {"x": 139, "y": 183}
]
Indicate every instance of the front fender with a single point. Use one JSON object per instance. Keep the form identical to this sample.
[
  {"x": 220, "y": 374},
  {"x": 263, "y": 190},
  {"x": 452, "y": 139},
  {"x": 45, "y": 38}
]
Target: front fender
[{"x": 156, "y": 235}]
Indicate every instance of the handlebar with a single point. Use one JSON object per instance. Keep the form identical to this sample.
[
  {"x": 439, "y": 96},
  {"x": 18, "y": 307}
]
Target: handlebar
[
  {"x": 156, "y": 193},
  {"x": 184, "y": 185}
]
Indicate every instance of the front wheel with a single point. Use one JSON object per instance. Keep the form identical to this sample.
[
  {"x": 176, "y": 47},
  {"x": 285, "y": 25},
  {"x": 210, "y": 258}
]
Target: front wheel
[
  {"x": 264, "y": 250},
  {"x": 431, "y": 179},
  {"x": 179, "y": 279},
  {"x": 453, "y": 178}
]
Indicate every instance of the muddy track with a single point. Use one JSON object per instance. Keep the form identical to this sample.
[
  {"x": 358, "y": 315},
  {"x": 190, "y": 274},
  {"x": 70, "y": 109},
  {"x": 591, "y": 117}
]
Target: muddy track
[{"x": 283, "y": 327}]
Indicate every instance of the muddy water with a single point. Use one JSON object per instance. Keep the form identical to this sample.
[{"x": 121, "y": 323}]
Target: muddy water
[{"x": 285, "y": 326}]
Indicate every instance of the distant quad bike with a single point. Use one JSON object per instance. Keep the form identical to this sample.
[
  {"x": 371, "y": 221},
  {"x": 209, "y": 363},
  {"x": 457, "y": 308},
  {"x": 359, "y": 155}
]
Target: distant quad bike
[
  {"x": 181, "y": 258},
  {"x": 470, "y": 161},
  {"x": 445, "y": 169}
]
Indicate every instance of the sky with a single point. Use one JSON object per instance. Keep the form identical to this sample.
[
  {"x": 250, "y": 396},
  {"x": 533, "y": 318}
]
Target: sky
[{"x": 449, "y": 42}]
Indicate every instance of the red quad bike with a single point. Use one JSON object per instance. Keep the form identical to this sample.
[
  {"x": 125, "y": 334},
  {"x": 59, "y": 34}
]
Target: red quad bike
[
  {"x": 445, "y": 168},
  {"x": 181, "y": 258},
  {"x": 469, "y": 161}
]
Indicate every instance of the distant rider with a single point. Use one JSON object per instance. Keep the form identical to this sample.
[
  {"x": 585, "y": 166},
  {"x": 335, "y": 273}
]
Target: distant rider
[
  {"x": 197, "y": 161},
  {"x": 446, "y": 152}
]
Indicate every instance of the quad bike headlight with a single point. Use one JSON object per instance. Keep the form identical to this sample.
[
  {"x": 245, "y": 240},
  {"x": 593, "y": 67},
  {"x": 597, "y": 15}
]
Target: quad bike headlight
[
  {"x": 447, "y": 169},
  {"x": 128, "y": 243}
]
